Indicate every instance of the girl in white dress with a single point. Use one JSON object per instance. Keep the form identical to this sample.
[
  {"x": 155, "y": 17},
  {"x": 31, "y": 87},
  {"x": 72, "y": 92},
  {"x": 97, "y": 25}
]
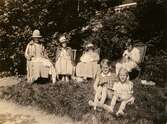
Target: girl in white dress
[
  {"x": 123, "y": 91},
  {"x": 64, "y": 62},
  {"x": 88, "y": 65}
]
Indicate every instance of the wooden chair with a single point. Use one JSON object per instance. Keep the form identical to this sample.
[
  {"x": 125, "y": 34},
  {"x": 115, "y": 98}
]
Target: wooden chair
[{"x": 74, "y": 52}]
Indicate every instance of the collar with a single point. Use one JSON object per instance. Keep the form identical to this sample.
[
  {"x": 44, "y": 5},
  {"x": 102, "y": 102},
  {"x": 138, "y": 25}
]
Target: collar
[{"x": 103, "y": 75}]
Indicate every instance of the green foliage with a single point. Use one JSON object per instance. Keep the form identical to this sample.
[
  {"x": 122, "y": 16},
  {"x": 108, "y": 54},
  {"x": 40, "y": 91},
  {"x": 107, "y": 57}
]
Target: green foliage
[
  {"x": 93, "y": 20},
  {"x": 19, "y": 18}
]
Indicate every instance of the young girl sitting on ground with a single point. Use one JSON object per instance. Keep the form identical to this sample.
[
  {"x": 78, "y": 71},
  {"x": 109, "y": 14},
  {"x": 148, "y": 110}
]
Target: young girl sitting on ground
[
  {"x": 63, "y": 65},
  {"x": 123, "y": 91},
  {"x": 103, "y": 84}
]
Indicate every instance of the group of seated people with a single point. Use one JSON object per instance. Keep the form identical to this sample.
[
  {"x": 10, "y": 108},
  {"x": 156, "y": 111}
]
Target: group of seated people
[{"x": 39, "y": 65}]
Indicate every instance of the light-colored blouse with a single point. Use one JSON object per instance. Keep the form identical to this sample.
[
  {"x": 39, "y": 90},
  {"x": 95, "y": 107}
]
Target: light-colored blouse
[
  {"x": 34, "y": 50},
  {"x": 123, "y": 90},
  {"x": 90, "y": 56}
]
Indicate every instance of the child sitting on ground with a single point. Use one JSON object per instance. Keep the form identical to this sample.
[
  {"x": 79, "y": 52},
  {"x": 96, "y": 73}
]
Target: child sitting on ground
[
  {"x": 103, "y": 83},
  {"x": 123, "y": 91}
]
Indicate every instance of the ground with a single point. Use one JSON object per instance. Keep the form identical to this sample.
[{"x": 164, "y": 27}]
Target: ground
[
  {"x": 71, "y": 99},
  {"x": 12, "y": 113}
]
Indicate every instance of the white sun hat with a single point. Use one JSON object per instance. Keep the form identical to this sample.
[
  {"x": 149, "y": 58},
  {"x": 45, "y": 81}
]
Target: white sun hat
[
  {"x": 36, "y": 33},
  {"x": 63, "y": 39},
  {"x": 89, "y": 45}
]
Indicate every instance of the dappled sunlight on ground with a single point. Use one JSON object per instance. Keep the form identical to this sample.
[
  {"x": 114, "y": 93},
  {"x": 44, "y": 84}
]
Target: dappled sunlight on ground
[
  {"x": 11, "y": 113},
  {"x": 8, "y": 81}
]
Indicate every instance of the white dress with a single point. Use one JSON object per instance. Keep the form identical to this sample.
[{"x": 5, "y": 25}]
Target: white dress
[
  {"x": 123, "y": 90},
  {"x": 37, "y": 64},
  {"x": 64, "y": 63},
  {"x": 88, "y": 67},
  {"x": 131, "y": 63}
]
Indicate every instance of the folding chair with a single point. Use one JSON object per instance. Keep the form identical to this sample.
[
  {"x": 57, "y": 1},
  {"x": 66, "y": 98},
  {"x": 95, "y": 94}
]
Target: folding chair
[
  {"x": 98, "y": 51},
  {"x": 142, "y": 49}
]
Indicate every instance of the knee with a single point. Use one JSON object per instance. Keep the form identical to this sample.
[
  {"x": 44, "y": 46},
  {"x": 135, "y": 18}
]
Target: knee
[{"x": 118, "y": 65}]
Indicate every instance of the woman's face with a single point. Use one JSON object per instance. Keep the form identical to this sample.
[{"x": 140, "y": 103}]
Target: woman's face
[
  {"x": 64, "y": 44},
  {"x": 90, "y": 49},
  {"x": 123, "y": 77},
  {"x": 105, "y": 69},
  {"x": 130, "y": 47},
  {"x": 36, "y": 39}
]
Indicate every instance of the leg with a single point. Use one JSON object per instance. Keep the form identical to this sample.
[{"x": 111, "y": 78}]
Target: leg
[
  {"x": 63, "y": 78},
  {"x": 118, "y": 66},
  {"x": 104, "y": 95},
  {"x": 123, "y": 105},
  {"x": 113, "y": 102},
  {"x": 97, "y": 96},
  {"x": 67, "y": 78},
  {"x": 53, "y": 74}
]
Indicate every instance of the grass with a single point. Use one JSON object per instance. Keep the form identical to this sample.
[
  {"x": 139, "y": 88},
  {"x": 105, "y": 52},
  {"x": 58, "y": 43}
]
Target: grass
[{"x": 72, "y": 99}]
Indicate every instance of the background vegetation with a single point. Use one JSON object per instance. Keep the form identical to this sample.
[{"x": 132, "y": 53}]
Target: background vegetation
[{"x": 94, "y": 20}]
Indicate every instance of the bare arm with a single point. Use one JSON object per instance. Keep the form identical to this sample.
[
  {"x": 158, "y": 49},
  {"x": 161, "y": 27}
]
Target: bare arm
[{"x": 26, "y": 54}]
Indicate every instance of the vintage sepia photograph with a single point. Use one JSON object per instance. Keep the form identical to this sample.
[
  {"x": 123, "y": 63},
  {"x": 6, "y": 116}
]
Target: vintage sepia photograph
[{"x": 83, "y": 61}]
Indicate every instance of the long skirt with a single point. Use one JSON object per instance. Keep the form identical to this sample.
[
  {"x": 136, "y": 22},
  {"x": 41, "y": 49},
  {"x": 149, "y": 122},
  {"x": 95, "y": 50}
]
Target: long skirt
[
  {"x": 40, "y": 67},
  {"x": 88, "y": 69},
  {"x": 64, "y": 66}
]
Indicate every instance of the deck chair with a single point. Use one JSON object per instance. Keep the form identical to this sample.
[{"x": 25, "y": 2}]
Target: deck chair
[
  {"x": 98, "y": 50},
  {"x": 142, "y": 48},
  {"x": 74, "y": 52}
]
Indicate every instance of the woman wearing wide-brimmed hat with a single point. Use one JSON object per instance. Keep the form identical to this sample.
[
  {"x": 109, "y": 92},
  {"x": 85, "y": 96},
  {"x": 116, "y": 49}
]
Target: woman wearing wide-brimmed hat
[
  {"x": 88, "y": 65},
  {"x": 64, "y": 62},
  {"x": 38, "y": 64}
]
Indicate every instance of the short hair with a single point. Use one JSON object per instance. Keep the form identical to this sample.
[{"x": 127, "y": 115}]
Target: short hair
[{"x": 104, "y": 62}]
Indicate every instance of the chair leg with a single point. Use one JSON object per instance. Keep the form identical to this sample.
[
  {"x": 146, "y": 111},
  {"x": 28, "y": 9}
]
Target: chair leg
[{"x": 139, "y": 73}]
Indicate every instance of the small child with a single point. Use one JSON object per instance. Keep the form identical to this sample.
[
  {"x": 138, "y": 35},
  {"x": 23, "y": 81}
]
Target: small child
[
  {"x": 103, "y": 83},
  {"x": 64, "y": 61},
  {"x": 123, "y": 91}
]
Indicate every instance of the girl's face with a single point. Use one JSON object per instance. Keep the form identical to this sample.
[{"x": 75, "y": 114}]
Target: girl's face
[
  {"x": 105, "y": 69},
  {"x": 64, "y": 45},
  {"x": 123, "y": 77}
]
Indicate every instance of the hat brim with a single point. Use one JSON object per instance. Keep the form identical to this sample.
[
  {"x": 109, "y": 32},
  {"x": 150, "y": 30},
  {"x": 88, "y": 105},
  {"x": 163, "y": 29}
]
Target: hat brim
[
  {"x": 64, "y": 41},
  {"x": 90, "y": 46},
  {"x": 37, "y": 36}
]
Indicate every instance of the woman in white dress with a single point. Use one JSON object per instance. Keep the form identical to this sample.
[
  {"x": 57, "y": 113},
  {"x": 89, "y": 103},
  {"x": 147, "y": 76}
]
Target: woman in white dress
[
  {"x": 131, "y": 58},
  {"x": 64, "y": 62},
  {"x": 88, "y": 65},
  {"x": 38, "y": 64}
]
